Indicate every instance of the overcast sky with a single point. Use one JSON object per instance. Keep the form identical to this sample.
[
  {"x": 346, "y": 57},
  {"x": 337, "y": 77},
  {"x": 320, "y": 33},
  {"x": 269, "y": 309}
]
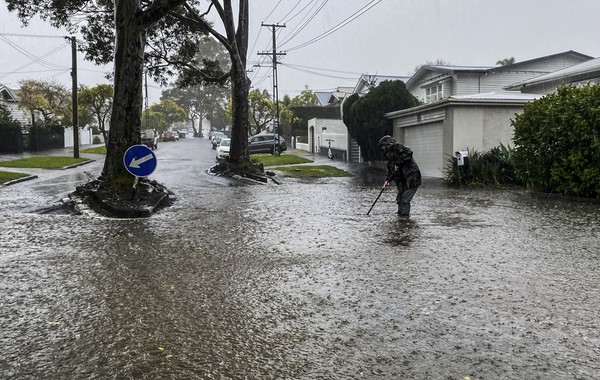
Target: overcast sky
[{"x": 330, "y": 43}]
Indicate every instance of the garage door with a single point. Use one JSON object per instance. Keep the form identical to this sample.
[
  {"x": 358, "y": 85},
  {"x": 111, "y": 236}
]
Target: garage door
[{"x": 426, "y": 143}]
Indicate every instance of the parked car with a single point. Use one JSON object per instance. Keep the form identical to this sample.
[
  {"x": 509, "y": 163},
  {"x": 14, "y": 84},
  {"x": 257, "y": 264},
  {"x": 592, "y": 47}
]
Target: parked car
[
  {"x": 150, "y": 142},
  {"x": 264, "y": 143},
  {"x": 223, "y": 148},
  {"x": 149, "y": 139},
  {"x": 170, "y": 136},
  {"x": 216, "y": 138}
]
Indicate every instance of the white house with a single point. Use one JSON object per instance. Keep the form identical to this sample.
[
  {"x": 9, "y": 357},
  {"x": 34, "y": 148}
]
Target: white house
[
  {"x": 10, "y": 98},
  {"x": 468, "y": 107}
]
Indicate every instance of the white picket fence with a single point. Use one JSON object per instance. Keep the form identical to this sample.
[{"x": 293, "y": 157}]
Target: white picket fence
[{"x": 85, "y": 137}]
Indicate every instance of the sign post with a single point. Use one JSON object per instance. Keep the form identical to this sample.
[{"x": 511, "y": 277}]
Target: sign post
[{"x": 140, "y": 161}]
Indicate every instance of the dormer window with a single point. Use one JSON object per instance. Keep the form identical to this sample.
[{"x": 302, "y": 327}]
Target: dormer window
[{"x": 433, "y": 93}]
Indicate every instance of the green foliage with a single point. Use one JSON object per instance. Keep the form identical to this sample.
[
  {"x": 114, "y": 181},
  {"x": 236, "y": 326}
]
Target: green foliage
[
  {"x": 50, "y": 99},
  {"x": 43, "y": 162},
  {"x": 557, "y": 142},
  {"x": 305, "y": 98},
  {"x": 7, "y": 123},
  {"x": 313, "y": 171},
  {"x": 364, "y": 116},
  {"x": 493, "y": 168},
  {"x": 9, "y": 176},
  {"x": 96, "y": 150},
  {"x": 282, "y": 159}
]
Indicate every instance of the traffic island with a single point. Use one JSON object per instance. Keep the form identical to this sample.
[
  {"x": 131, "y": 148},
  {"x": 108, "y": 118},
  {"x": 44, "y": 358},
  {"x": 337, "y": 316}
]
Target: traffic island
[
  {"x": 249, "y": 171},
  {"x": 123, "y": 202}
]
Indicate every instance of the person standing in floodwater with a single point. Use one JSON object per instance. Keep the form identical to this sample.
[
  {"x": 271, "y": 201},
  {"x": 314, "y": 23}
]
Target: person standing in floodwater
[{"x": 402, "y": 169}]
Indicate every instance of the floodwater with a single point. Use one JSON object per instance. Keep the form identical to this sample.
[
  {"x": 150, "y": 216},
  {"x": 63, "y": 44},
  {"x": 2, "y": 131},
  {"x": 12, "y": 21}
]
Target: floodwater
[{"x": 295, "y": 281}]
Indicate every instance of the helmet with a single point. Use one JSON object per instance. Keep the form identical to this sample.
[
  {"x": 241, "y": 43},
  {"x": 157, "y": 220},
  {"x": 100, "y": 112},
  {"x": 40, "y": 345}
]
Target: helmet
[{"x": 386, "y": 142}]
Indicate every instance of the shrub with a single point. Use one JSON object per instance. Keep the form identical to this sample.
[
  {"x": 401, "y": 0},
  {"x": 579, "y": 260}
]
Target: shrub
[
  {"x": 557, "y": 142},
  {"x": 493, "y": 168}
]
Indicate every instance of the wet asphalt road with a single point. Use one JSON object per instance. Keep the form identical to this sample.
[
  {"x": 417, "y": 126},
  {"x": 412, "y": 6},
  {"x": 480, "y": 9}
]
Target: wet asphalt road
[{"x": 293, "y": 281}]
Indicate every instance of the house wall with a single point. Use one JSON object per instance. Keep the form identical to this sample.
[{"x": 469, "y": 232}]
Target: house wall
[
  {"x": 465, "y": 84},
  {"x": 482, "y": 128},
  {"x": 436, "y": 134},
  {"x": 325, "y": 129}
]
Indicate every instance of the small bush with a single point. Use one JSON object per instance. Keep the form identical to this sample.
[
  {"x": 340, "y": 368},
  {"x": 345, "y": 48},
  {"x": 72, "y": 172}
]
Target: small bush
[
  {"x": 493, "y": 168},
  {"x": 557, "y": 141}
]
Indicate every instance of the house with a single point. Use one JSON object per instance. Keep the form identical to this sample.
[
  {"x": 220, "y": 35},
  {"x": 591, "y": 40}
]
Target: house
[
  {"x": 9, "y": 97},
  {"x": 584, "y": 73},
  {"x": 432, "y": 83},
  {"x": 328, "y": 98},
  {"x": 468, "y": 107}
]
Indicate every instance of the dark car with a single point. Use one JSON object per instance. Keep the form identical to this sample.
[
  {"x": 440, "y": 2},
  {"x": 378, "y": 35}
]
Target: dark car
[
  {"x": 265, "y": 142},
  {"x": 216, "y": 138}
]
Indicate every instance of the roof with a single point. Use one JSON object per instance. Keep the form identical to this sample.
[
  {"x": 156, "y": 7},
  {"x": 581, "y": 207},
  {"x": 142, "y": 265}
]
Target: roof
[
  {"x": 508, "y": 98},
  {"x": 447, "y": 69},
  {"x": 7, "y": 93},
  {"x": 505, "y": 95},
  {"x": 573, "y": 53},
  {"x": 583, "y": 71},
  {"x": 329, "y": 97},
  {"x": 368, "y": 81},
  {"x": 451, "y": 69}
]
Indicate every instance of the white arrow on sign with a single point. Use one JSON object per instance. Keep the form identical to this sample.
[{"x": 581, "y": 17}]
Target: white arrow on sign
[{"x": 136, "y": 163}]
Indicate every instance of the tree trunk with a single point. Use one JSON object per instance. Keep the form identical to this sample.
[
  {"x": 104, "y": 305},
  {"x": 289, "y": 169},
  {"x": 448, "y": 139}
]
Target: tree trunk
[
  {"x": 240, "y": 83},
  {"x": 240, "y": 126},
  {"x": 125, "y": 121}
]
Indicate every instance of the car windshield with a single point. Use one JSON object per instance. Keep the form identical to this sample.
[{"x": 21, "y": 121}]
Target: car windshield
[{"x": 225, "y": 142}]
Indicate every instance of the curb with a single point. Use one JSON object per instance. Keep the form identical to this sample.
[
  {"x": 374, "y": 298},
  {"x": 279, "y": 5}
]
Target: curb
[{"x": 22, "y": 179}]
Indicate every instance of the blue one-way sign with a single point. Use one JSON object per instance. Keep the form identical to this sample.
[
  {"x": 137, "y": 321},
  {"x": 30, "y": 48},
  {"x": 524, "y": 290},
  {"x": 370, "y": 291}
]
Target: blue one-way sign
[{"x": 139, "y": 160}]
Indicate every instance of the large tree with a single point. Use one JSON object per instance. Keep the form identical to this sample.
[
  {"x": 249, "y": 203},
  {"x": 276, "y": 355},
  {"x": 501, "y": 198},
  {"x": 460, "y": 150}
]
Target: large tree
[
  {"x": 163, "y": 33},
  {"x": 98, "y": 100},
  {"x": 199, "y": 101},
  {"x": 49, "y": 99}
]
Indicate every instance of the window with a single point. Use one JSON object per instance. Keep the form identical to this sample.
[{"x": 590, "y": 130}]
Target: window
[{"x": 434, "y": 93}]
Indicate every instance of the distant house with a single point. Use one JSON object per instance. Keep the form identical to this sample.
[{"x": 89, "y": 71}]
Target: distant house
[
  {"x": 468, "y": 107},
  {"x": 366, "y": 82},
  {"x": 9, "y": 97},
  {"x": 329, "y": 98}
]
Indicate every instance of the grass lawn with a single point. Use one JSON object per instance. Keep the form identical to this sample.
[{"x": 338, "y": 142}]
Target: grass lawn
[
  {"x": 96, "y": 150},
  {"x": 283, "y": 159},
  {"x": 9, "y": 176},
  {"x": 313, "y": 171},
  {"x": 43, "y": 162}
]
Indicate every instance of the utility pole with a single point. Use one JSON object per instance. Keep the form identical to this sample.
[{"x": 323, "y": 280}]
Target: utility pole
[
  {"x": 274, "y": 54},
  {"x": 74, "y": 96}
]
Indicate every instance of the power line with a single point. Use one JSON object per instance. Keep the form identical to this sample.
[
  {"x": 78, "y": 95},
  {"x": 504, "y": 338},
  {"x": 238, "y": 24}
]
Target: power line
[
  {"x": 316, "y": 73},
  {"x": 301, "y": 25},
  {"x": 322, "y": 69},
  {"x": 348, "y": 20}
]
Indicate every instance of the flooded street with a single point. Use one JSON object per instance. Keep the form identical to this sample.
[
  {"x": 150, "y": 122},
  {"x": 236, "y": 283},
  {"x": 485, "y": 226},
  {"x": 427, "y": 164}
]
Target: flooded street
[{"x": 295, "y": 281}]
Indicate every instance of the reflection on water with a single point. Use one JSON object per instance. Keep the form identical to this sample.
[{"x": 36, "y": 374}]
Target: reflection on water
[{"x": 296, "y": 281}]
